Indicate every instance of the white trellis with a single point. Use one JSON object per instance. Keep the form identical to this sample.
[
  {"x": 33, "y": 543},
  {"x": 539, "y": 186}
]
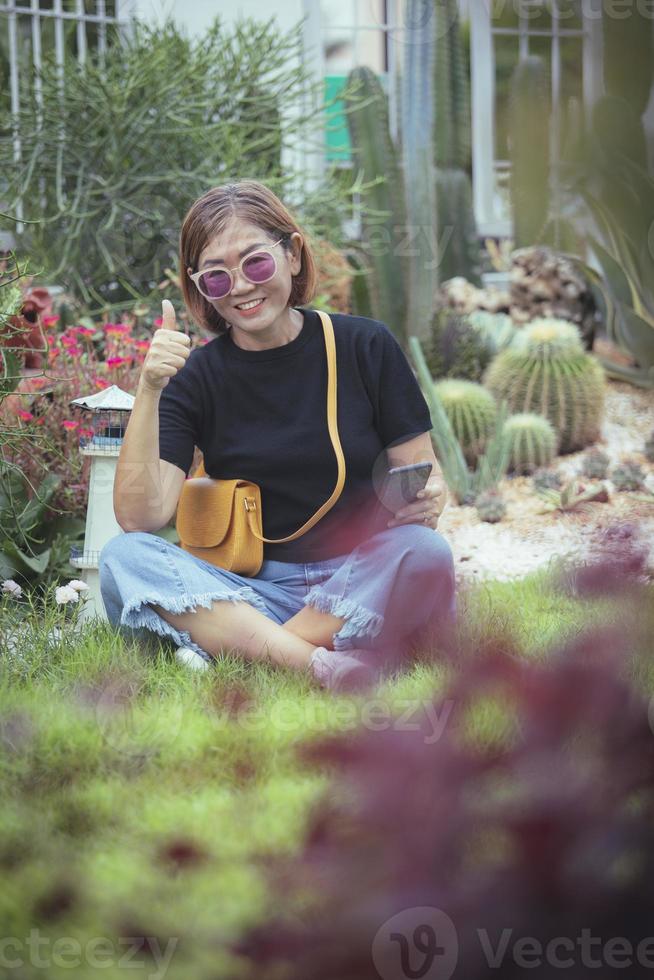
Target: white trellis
[{"x": 26, "y": 20}]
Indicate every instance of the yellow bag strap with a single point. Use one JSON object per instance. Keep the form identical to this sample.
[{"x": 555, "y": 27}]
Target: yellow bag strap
[{"x": 332, "y": 424}]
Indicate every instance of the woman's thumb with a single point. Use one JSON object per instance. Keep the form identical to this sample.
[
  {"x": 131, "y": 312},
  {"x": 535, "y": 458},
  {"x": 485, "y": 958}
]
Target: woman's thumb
[{"x": 168, "y": 315}]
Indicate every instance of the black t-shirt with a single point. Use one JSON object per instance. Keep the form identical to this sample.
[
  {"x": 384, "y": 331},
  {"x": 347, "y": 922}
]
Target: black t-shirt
[{"x": 261, "y": 415}]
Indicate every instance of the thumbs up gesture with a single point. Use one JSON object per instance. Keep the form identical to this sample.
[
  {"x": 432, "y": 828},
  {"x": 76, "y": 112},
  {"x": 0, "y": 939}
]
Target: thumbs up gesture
[{"x": 167, "y": 352}]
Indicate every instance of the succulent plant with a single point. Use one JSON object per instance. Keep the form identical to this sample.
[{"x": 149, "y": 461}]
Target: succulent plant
[
  {"x": 547, "y": 371},
  {"x": 627, "y": 476},
  {"x": 498, "y": 328},
  {"x": 544, "y": 479},
  {"x": 471, "y": 410},
  {"x": 574, "y": 494},
  {"x": 648, "y": 449},
  {"x": 455, "y": 349},
  {"x": 532, "y": 441},
  {"x": 490, "y": 506},
  {"x": 595, "y": 464}
]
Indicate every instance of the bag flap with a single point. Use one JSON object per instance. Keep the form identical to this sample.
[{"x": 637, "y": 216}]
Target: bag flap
[{"x": 204, "y": 511}]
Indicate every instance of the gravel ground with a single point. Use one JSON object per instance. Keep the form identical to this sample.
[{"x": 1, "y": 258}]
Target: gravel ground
[{"x": 526, "y": 539}]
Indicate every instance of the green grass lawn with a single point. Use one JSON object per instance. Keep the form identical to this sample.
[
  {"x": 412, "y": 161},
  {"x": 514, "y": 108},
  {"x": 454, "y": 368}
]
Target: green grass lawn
[{"x": 139, "y": 799}]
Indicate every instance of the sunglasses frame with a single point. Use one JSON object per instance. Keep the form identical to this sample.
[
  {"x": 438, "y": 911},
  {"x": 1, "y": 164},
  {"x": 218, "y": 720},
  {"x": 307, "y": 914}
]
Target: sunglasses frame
[{"x": 195, "y": 276}]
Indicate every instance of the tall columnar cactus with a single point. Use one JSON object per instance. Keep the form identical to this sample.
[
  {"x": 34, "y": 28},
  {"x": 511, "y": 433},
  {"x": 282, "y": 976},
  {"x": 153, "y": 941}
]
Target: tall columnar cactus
[
  {"x": 452, "y": 135},
  {"x": 532, "y": 441},
  {"x": 547, "y": 371},
  {"x": 460, "y": 252},
  {"x": 384, "y": 211},
  {"x": 529, "y": 150},
  {"x": 417, "y": 105},
  {"x": 472, "y": 411}
]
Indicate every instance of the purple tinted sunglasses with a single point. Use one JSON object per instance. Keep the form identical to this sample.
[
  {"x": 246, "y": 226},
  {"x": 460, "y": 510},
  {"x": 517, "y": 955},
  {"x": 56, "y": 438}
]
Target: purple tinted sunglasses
[{"x": 258, "y": 267}]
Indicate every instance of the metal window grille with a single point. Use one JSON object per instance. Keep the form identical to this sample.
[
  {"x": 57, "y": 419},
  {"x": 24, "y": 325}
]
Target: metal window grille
[
  {"x": 490, "y": 173},
  {"x": 26, "y": 24}
]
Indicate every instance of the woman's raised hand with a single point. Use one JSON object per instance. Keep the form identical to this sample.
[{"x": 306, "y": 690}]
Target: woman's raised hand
[{"x": 167, "y": 352}]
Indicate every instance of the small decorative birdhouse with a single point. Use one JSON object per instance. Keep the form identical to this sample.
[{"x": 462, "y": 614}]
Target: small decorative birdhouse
[{"x": 109, "y": 410}]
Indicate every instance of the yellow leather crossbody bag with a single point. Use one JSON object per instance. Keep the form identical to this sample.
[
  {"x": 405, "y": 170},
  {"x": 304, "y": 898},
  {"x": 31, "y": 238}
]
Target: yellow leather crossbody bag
[{"x": 220, "y": 521}]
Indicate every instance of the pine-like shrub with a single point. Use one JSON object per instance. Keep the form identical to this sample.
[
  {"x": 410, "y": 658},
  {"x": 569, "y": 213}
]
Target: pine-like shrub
[
  {"x": 471, "y": 410},
  {"x": 547, "y": 371},
  {"x": 532, "y": 441},
  {"x": 455, "y": 349}
]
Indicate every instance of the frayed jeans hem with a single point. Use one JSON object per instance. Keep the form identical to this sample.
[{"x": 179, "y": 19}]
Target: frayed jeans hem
[
  {"x": 361, "y": 625},
  {"x": 139, "y": 614}
]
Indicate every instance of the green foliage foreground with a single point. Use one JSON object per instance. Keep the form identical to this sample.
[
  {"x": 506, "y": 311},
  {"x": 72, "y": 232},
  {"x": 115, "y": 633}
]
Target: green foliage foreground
[{"x": 142, "y": 800}]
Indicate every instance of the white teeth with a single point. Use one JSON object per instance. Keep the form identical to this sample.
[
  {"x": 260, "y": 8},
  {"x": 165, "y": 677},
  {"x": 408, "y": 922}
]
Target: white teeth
[{"x": 248, "y": 306}]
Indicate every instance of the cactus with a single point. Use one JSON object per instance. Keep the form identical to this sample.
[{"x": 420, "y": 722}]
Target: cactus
[
  {"x": 532, "y": 441},
  {"x": 471, "y": 410},
  {"x": 529, "y": 150},
  {"x": 490, "y": 506},
  {"x": 461, "y": 255},
  {"x": 627, "y": 476},
  {"x": 648, "y": 448},
  {"x": 491, "y": 467},
  {"x": 546, "y": 480},
  {"x": 455, "y": 349},
  {"x": 595, "y": 464},
  {"x": 376, "y": 157},
  {"x": 417, "y": 112},
  {"x": 547, "y": 371},
  {"x": 497, "y": 328}
]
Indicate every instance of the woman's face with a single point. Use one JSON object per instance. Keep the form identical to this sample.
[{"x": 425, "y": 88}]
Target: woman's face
[{"x": 238, "y": 239}]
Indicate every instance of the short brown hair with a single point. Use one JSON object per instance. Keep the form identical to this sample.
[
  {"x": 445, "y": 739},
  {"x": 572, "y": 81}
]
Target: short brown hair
[{"x": 253, "y": 201}]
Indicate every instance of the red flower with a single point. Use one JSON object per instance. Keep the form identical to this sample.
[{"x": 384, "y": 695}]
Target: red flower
[
  {"x": 69, "y": 424},
  {"x": 113, "y": 362},
  {"x": 49, "y": 321},
  {"x": 24, "y": 415}
]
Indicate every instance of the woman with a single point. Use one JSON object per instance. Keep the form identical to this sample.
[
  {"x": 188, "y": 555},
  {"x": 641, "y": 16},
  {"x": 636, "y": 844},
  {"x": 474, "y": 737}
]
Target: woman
[{"x": 345, "y": 596}]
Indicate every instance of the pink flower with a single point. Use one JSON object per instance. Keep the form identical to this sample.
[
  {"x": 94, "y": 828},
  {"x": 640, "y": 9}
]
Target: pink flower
[
  {"x": 85, "y": 331},
  {"x": 69, "y": 424},
  {"x": 142, "y": 344},
  {"x": 100, "y": 382},
  {"x": 25, "y": 416},
  {"x": 113, "y": 362},
  {"x": 158, "y": 321},
  {"x": 86, "y": 433},
  {"x": 49, "y": 321},
  {"x": 117, "y": 329}
]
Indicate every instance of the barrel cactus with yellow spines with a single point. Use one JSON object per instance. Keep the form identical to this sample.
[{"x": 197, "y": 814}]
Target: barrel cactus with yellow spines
[
  {"x": 471, "y": 410},
  {"x": 546, "y": 370},
  {"x": 532, "y": 441}
]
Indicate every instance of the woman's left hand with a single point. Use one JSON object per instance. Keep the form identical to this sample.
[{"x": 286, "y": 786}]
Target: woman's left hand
[{"x": 427, "y": 508}]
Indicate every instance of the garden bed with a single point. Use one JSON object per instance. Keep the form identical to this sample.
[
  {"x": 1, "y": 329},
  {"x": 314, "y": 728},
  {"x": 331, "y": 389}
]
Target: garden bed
[{"x": 527, "y": 539}]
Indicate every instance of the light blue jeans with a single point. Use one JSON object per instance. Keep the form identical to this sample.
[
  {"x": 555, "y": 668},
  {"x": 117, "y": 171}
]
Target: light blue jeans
[{"x": 392, "y": 585}]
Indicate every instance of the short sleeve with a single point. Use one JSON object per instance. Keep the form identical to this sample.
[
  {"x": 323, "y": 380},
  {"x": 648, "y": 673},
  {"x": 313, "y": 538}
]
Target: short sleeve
[
  {"x": 400, "y": 408},
  {"x": 179, "y": 418}
]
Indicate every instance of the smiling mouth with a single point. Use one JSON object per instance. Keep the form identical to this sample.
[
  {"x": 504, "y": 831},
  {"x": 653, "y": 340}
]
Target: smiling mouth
[{"x": 251, "y": 304}]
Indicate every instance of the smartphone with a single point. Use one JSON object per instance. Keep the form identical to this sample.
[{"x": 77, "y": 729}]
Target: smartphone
[{"x": 402, "y": 484}]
